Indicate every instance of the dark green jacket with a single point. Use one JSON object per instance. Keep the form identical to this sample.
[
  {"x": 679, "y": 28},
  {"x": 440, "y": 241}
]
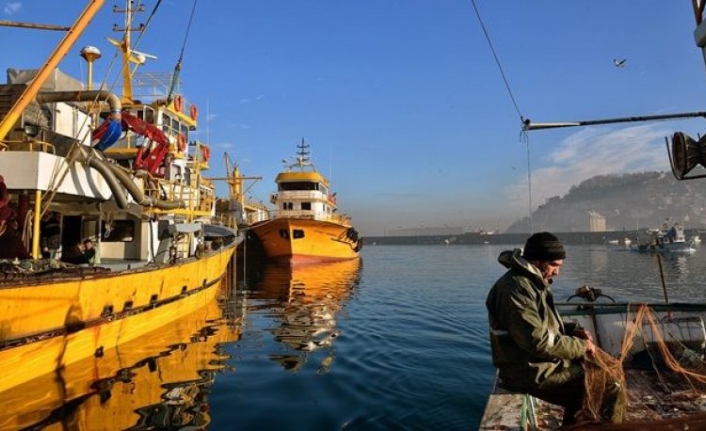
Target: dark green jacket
[{"x": 527, "y": 336}]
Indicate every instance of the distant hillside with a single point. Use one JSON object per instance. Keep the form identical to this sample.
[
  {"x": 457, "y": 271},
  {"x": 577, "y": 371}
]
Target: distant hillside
[{"x": 628, "y": 202}]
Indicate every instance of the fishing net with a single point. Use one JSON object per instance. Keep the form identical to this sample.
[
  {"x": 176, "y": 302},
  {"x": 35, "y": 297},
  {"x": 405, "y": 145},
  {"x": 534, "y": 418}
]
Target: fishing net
[{"x": 606, "y": 388}]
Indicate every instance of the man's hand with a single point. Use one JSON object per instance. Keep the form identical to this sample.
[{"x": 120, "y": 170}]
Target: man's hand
[{"x": 590, "y": 347}]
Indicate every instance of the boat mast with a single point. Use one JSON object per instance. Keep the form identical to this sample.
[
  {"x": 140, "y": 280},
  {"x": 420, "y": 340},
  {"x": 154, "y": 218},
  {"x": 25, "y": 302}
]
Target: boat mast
[
  {"x": 59, "y": 53},
  {"x": 303, "y": 158},
  {"x": 129, "y": 12}
]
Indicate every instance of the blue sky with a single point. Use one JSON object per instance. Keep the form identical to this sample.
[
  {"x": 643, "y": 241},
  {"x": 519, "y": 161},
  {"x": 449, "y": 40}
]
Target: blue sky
[{"x": 401, "y": 100}]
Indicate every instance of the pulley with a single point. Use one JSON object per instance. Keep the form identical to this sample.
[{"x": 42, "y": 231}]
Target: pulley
[{"x": 686, "y": 155}]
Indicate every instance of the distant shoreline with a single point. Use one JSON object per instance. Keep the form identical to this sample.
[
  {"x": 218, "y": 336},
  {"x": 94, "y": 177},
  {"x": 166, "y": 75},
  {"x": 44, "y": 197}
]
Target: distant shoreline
[{"x": 513, "y": 238}]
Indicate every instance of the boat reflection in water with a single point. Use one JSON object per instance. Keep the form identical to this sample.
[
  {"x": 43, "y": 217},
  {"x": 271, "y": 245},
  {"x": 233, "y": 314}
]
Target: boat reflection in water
[
  {"x": 305, "y": 300},
  {"x": 161, "y": 380}
]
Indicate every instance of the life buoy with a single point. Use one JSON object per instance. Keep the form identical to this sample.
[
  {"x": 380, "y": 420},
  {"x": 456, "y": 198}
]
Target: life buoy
[
  {"x": 181, "y": 142},
  {"x": 194, "y": 112},
  {"x": 178, "y": 103},
  {"x": 206, "y": 153}
]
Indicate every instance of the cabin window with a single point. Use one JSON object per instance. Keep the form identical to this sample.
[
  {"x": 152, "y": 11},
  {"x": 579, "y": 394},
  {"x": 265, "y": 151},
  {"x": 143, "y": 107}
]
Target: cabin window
[
  {"x": 297, "y": 233},
  {"x": 118, "y": 231},
  {"x": 175, "y": 172},
  {"x": 166, "y": 123},
  {"x": 287, "y": 206},
  {"x": 146, "y": 114},
  {"x": 284, "y": 233},
  {"x": 185, "y": 131},
  {"x": 306, "y": 206},
  {"x": 299, "y": 185}
]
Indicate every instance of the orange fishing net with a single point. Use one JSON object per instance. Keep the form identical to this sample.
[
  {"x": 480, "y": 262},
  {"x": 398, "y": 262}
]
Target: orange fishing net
[{"x": 605, "y": 397}]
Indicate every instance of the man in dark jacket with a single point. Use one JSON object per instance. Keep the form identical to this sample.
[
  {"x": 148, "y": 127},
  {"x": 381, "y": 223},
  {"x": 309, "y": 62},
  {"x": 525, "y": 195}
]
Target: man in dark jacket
[{"x": 533, "y": 350}]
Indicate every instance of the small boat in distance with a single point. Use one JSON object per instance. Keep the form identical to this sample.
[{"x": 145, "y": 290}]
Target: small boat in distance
[
  {"x": 305, "y": 226},
  {"x": 665, "y": 240}
]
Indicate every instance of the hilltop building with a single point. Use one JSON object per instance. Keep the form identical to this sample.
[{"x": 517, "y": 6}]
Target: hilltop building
[{"x": 596, "y": 222}]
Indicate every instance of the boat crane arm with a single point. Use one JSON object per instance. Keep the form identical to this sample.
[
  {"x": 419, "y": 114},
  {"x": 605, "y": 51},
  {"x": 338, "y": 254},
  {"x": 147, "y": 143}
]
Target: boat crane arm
[
  {"x": 4, "y": 23},
  {"x": 527, "y": 125},
  {"x": 59, "y": 53}
]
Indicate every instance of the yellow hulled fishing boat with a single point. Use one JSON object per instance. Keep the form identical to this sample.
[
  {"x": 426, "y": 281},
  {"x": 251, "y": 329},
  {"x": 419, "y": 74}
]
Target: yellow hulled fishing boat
[
  {"x": 305, "y": 226},
  {"x": 160, "y": 381},
  {"x": 108, "y": 230}
]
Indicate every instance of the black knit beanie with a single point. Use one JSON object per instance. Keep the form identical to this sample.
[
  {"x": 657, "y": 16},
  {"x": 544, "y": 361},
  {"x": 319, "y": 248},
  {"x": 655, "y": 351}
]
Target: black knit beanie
[{"x": 543, "y": 246}]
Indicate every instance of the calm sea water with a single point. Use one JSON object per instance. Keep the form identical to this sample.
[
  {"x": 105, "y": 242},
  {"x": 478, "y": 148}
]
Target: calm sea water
[{"x": 397, "y": 341}]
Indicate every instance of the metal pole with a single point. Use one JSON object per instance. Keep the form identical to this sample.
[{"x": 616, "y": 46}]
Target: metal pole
[
  {"x": 4, "y": 23},
  {"x": 539, "y": 126},
  {"x": 37, "y": 220},
  {"x": 661, "y": 276}
]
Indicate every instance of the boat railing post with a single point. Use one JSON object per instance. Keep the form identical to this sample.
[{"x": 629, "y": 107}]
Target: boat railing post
[{"x": 35, "y": 227}]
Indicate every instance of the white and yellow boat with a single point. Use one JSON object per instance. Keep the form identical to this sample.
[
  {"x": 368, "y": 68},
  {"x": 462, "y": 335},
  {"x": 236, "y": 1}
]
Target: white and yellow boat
[
  {"x": 305, "y": 227},
  {"x": 132, "y": 184}
]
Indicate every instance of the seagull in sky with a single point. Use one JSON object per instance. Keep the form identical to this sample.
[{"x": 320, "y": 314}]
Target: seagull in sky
[{"x": 619, "y": 63}]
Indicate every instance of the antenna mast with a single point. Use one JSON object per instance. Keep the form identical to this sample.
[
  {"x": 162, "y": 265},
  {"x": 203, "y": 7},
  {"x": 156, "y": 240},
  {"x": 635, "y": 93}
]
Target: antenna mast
[{"x": 125, "y": 45}]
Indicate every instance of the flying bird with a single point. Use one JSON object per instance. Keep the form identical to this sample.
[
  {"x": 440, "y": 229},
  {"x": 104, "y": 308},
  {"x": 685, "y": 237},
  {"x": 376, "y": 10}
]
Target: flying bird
[{"x": 619, "y": 63}]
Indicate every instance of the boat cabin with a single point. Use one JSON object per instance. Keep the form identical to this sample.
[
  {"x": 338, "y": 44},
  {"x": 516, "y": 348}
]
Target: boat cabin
[
  {"x": 108, "y": 190},
  {"x": 303, "y": 194}
]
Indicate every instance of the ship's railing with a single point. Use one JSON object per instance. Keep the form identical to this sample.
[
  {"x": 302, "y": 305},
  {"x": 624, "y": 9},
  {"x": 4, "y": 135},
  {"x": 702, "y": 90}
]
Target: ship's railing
[
  {"x": 28, "y": 145},
  {"x": 226, "y": 220},
  {"x": 307, "y": 215},
  {"x": 201, "y": 199},
  {"x": 299, "y": 194}
]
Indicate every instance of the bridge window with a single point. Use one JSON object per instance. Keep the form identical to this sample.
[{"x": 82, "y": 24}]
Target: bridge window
[
  {"x": 299, "y": 185},
  {"x": 306, "y": 206}
]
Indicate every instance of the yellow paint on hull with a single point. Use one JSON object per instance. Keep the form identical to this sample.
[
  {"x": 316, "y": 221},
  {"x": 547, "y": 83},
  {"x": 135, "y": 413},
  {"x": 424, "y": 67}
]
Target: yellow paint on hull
[
  {"x": 322, "y": 241},
  {"x": 66, "y": 316},
  {"x": 136, "y": 376},
  {"x": 308, "y": 299}
]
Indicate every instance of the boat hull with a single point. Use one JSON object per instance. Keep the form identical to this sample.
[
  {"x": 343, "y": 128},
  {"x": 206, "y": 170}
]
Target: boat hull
[
  {"x": 130, "y": 383},
  {"x": 675, "y": 247},
  {"x": 303, "y": 241},
  {"x": 50, "y": 324}
]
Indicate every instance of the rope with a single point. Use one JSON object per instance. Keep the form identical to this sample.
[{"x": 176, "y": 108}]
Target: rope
[
  {"x": 154, "y": 11},
  {"x": 523, "y": 136},
  {"x": 27, "y": 229},
  {"x": 177, "y": 67},
  {"x": 497, "y": 60}
]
